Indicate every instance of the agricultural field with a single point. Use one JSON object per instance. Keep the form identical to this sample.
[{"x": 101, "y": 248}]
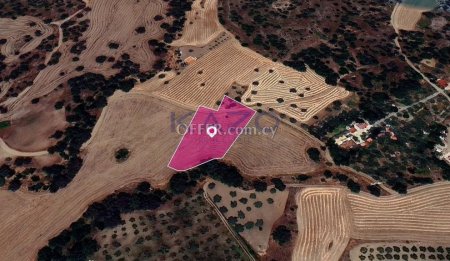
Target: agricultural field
[
  {"x": 324, "y": 224},
  {"x": 250, "y": 213},
  {"x": 102, "y": 173},
  {"x": 403, "y": 217},
  {"x": 201, "y": 24},
  {"x": 291, "y": 144},
  {"x": 298, "y": 94},
  {"x": 54, "y": 101},
  {"x": 22, "y": 35},
  {"x": 405, "y": 16},
  {"x": 186, "y": 228},
  {"x": 95, "y": 96},
  {"x": 361, "y": 216},
  {"x": 274, "y": 86},
  {"x": 399, "y": 251}
]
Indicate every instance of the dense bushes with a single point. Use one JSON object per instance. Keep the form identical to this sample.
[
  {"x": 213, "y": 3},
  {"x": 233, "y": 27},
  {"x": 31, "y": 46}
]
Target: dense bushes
[
  {"x": 76, "y": 242},
  {"x": 82, "y": 119},
  {"x": 216, "y": 170}
]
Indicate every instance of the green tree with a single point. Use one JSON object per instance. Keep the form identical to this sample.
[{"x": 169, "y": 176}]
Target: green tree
[{"x": 282, "y": 235}]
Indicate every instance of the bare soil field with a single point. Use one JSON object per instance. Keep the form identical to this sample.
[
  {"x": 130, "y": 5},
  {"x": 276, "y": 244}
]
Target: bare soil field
[
  {"x": 405, "y": 17},
  {"x": 253, "y": 154},
  {"x": 422, "y": 215},
  {"x": 251, "y": 213},
  {"x": 21, "y": 37},
  {"x": 201, "y": 24},
  {"x": 45, "y": 215},
  {"x": 324, "y": 222},
  {"x": 88, "y": 55},
  {"x": 31, "y": 132},
  {"x": 300, "y": 95},
  {"x": 419, "y": 216},
  {"x": 100, "y": 25},
  {"x": 135, "y": 121},
  {"x": 273, "y": 85}
]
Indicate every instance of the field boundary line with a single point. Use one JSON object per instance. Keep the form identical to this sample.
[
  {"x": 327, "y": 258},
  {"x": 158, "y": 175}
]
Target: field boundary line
[{"x": 224, "y": 221}]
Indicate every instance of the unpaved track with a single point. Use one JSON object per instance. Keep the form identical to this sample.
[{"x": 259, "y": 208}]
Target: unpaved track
[
  {"x": 6, "y": 150},
  {"x": 135, "y": 122},
  {"x": 227, "y": 63},
  {"x": 106, "y": 25}
]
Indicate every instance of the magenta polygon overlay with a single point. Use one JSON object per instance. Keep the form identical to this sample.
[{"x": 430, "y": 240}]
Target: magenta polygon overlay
[{"x": 197, "y": 148}]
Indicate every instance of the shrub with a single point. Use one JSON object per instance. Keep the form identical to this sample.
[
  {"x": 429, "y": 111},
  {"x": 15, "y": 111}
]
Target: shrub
[
  {"x": 211, "y": 185},
  {"x": 278, "y": 184},
  {"x": 217, "y": 198},
  {"x": 260, "y": 186},
  {"x": 282, "y": 235},
  {"x": 314, "y": 154},
  {"x": 302, "y": 177},
  {"x": 258, "y": 204},
  {"x": 243, "y": 200},
  {"x": 122, "y": 155},
  {"x": 249, "y": 225},
  {"x": 353, "y": 186}
]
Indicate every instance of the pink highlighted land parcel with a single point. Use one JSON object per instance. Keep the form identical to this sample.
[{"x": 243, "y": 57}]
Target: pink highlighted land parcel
[{"x": 211, "y": 134}]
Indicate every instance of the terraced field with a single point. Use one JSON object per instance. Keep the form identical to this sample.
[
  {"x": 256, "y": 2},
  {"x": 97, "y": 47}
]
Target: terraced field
[
  {"x": 103, "y": 25},
  {"x": 253, "y": 154},
  {"x": 328, "y": 217},
  {"x": 208, "y": 79},
  {"x": 300, "y": 95},
  {"x": 201, "y": 24},
  {"x": 422, "y": 215},
  {"x": 324, "y": 224},
  {"x": 21, "y": 37},
  {"x": 405, "y": 17}
]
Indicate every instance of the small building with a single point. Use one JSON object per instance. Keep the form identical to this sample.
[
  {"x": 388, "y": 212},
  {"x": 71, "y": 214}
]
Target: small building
[
  {"x": 442, "y": 83},
  {"x": 190, "y": 60},
  {"x": 349, "y": 144},
  {"x": 361, "y": 126}
]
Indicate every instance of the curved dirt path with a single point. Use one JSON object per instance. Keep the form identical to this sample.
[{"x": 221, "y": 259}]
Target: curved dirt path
[
  {"x": 29, "y": 220},
  {"x": 12, "y": 152}
]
